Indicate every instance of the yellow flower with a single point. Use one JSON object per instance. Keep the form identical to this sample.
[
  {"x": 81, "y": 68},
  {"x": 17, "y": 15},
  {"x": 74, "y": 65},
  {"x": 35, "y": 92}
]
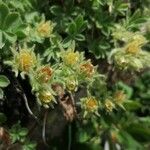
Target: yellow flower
[
  {"x": 87, "y": 68},
  {"x": 45, "y": 97},
  {"x": 70, "y": 58},
  {"x": 45, "y": 73},
  {"x": 109, "y": 105},
  {"x": 25, "y": 60},
  {"x": 134, "y": 46},
  {"x": 119, "y": 97},
  {"x": 45, "y": 29},
  {"x": 91, "y": 104}
]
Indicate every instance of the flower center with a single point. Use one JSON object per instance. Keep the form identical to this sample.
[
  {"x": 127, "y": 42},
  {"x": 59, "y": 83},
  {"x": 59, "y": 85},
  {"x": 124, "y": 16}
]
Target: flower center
[
  {"x": 45, "y": 29},
  {"x": 133, "y": 47},
  {"x": 71, "y": 58},
  {"x": 26, "y": 60},
  {"x": 91, "y": 104}
]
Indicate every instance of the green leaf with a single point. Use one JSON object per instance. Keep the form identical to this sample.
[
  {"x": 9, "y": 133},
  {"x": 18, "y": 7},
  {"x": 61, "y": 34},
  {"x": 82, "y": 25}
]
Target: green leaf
[
  {"x": 21, "y": 34},
  {"x": 121, "y": 7},
  {"x": 139, "y": 131},
  {"x": 20, "y": 31},
  {"x": 72, "y": 28},
  {"x": 56, "y": 10},
  {"x": 2, "y": 43},
  {"x": 66, "y": 42},
  {"x": 12, "y": 21},
  {"x": 4, "y": 82},
  {"x": 104, "y": 45},
  {"x": 1, "y": 93},
  {"x": 29, "y": 145},
  {"x": 3, "y": 13},
  {"x": 83, "y": 137},
  {"x": 23, "y": 132},
  {"x": 79, "y": 22},
  {"x": 136, "y": 19},
  {"x": 10, "y": 37},
  {"x": 128, "y": 90},
  {"x": 80, "y": 37},
  {"x": 131, "y": 105},
  {"x": 31, "y": 17},
  {"x": 128, "y": 141}
]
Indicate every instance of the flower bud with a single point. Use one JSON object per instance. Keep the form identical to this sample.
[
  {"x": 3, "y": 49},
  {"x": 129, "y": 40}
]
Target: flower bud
[
  {"x": 45, "y": 73},
  {"x": 109, "y": 105},
  {"x": 45, "y": 29},
  {"x": 45, "y": 97},
  {"x": 87, "y": 69}
]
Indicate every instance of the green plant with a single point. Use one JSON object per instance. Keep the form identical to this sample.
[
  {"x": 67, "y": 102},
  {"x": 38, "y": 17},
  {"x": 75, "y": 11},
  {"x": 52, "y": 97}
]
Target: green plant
[
  {"x": 76, "y": 62},
  {"x": 11, "y": 25},
  {"x": 18, "y": 133},
  {"x": 4, "y": 82}
]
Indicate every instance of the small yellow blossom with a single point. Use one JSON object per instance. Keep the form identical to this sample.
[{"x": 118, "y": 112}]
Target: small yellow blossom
[
  {"x": 109, "y": 105},
  {"x": 87, "y": 68},
  {"x": 25, "y": 60},
  {"x": 91, "y": 104},
  {"x": 134, "y": 46},
  {"x": 45, "y": 97},
  {"x": 45, "y": 29},
  {"x": 70, "y": 57}
]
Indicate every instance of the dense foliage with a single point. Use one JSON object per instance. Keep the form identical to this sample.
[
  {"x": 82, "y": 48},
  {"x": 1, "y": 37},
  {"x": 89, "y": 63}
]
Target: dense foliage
[{"x": 76, "y": 73}]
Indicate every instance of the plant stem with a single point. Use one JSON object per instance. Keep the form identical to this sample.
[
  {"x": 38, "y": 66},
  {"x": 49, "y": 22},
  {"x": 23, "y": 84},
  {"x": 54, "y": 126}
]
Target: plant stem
[
  {"x": 69, "y": 136},
  {"x": 28, "y": 108},
  {"x": 44, "y": 127}
]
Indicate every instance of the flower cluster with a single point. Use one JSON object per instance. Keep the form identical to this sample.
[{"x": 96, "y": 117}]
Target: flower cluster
[
  {"x": 131, "y": 56},
  {"x": 71, "y": 73},
  {"x": 27, "y": 63}
]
